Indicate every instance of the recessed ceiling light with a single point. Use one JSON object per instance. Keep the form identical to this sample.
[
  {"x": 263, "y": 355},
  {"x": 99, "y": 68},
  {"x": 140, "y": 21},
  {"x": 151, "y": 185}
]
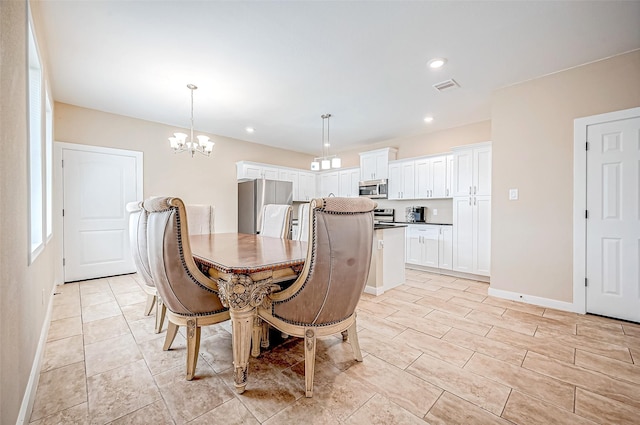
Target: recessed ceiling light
[
  {"x": 436, "y": 63},
  {"x": 250, "y": 129},
  {"x": 428, "y": 119}
]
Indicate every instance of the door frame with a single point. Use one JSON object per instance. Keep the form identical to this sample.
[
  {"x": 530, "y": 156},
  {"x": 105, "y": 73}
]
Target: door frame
[
  {"x": 58, "y": 147},
  {"x": 580, "y": 127}
]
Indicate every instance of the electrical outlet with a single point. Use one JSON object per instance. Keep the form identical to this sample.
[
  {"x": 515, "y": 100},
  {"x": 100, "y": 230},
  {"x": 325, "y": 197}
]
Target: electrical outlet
[
  {"x": 513, "y": 194},
  {"x": 380, "y": 244},
  {"x": 435, "y": 211}
]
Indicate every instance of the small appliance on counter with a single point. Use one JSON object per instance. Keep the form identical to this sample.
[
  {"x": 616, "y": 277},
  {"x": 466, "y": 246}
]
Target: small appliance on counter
[
  {"x": 416, "y": 214},
  {"x": 383, "y": 215}
]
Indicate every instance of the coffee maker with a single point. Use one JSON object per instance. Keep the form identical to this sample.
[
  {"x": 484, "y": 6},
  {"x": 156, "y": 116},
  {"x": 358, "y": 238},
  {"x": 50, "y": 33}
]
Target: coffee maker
[{"x": 416, "y": 214}]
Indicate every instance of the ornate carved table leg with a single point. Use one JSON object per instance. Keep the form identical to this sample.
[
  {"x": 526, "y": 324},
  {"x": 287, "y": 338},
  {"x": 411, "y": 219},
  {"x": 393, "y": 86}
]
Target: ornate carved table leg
[{"x": 242, "y": 294}]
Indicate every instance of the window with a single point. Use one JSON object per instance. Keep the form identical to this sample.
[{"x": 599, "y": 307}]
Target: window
[
  {"x": 49, "y": 166},
  {"x": 36, "y": 198}
]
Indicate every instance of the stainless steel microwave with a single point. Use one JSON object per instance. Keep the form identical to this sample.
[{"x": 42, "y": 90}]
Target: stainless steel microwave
[{"x": 375, "y": 189}]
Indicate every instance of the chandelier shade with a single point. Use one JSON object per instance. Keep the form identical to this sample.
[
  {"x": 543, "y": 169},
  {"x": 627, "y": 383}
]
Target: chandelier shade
[
  {"x": 181, "y": 142},
  {"x": 326, "y": 161}
]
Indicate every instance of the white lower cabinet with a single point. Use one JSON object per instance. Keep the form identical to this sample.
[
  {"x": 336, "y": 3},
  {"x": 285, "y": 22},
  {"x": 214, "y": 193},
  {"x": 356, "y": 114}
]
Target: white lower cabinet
[
  {"x": 429, "y": 245},
  {"x": 472, "y": 234}
]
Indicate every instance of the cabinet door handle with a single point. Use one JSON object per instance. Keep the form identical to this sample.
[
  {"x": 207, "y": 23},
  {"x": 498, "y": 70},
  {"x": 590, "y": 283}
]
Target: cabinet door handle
[
  {"x": 469, "y": 200},
  {"x": 469, "y": 190},
  {"x": 447, "y": 192},
  {"x": 474, "y": 200},
  {"x": 475, "y": 189}
]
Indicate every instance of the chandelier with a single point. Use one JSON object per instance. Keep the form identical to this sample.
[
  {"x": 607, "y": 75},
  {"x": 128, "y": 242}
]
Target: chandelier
[
  {"x": 180, "y": 143},
  {"x": 326, "y": 161}
]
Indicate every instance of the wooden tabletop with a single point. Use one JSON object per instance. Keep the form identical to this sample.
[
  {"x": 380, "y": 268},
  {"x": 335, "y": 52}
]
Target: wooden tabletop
[{"x": 243, "y": 253}]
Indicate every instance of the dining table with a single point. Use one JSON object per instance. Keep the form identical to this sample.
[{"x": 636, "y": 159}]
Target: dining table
[{"x": 247, "y": 268}]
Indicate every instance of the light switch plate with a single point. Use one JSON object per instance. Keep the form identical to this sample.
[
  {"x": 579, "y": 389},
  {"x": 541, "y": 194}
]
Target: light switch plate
[
  {"x": 513, "y": 194},
  {"x": 435, "y": 211}
]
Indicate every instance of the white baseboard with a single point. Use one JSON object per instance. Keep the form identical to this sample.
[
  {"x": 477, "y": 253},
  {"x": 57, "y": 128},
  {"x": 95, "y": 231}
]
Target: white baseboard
[
  {"x": 448, "y": 272},
  {"x": 29, "y": 396},
  {"x": 531, "y": 299},
  {"x": 373, "y": 291}
]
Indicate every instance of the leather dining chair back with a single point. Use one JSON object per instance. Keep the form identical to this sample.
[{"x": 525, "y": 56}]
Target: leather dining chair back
[
  {"x": 191, "y": 297},
  {"x": 200, "y": 218},
  {"x": 303, "y": 222},
  {"x": 323, "y": 299},
  {"x": 138, "y": 246},
  {"x": 276, "y": 221}
]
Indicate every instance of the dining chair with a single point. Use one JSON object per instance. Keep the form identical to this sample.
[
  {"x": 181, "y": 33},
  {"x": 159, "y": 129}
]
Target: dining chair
[
  {"x": 323, "y": 299},
  {"x": 200, "y": 219},
  {"x": 191, "y": 296},
  {"x": 138, "y": 245},
  {"x": 303, "y": 222},
  {"x": 276, "y": 221}
]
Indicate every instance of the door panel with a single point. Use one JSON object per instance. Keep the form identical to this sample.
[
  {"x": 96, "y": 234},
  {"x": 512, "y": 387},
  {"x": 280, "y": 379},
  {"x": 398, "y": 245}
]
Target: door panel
[
  {"x": 613, "y": 226},
  {"x": 96, "y": 188}
]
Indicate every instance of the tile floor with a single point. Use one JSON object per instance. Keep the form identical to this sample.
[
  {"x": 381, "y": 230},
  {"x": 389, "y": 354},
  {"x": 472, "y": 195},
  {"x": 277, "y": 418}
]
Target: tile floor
[{"x": 436, "y": 350}]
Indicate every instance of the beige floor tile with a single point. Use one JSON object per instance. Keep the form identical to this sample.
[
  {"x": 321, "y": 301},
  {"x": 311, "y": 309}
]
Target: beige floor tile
[
  {"x": 100, "y": 311},
  {"x": 231, "y": 412},
  {"x": 422, "y": 324},
  {"x": 124, "y": 283},
  {"x": 532, "y": 383},
  {"x": 462, "y": 294},
  {"x": 436, "y": 347},
  {"x": 93, "y": 286},
  {"x": 609, "y": 337},
  {"x": 385, "y": 327},
  {"x": 60, "y": 389},
  {"x": 536, "y": 320},
  {"x": 420, "y": 287},
  {"x": 187, "y": 400},
  {"x": 476, "y": 389},
  {"x": 93, "y": 298},
  {"x": 102, "y": 329},
  {"x": 64, "y": 328},
  {"x": 635, "y": 356},
  {"x": 155, "y": 413},
  {"x": 110, "y": 354},
  {"x": 68, "y": 307},
  {"x": 159, "y": 361},
  {"x": 376, "y": 308},
  {"x": 431, "y": 291},
  {"x": 333, "y": 401},
  {"x": 515, "y": 305},
  {"x": 593, "y": 381},
  {"x": 524, "y": 410},
  {"x": 380, "y": 410},
  {"x": 450, "y": 409},
  {"x": 601, "y": 409},
  {"x": 397, "y": 294},
  {"x": 133, "y": 297},
  {"x": 118, "y": 392},
  {"x": 145, "y": 329},
  {"x": 334, "y": 350},
  {"x": 474, "y": 305},
  {"x": 76, "y": 415},
  {"x": 135, "y": 312},
  {"x": 389, "y": 350},
  {"x": 404, "y": 389},
  {"x": 614, "y": 368},
  {"x": 413, "y": 308},
  {"x": 440, "y": 277},
  {"x": 63, "y": 352},
  {"x": 458, "y": 322},
  {"x": 631, "y": 330},
  {"x": 282, "y": 354},
  {"x": 447, "y": 307},
  {"x": 217, "y": 351},
  {"x": 479, "y": 290},
  {"x": 502, "y": 322},
  {"x": 587, "y": 344},
  {"x": 556, "y": 349},
  {"x": 496, "y": 349}
]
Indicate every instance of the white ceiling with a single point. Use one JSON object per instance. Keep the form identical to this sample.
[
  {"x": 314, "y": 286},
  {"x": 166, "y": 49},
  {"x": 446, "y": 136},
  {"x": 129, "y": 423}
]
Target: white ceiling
[{"x": 277, "y": 66}]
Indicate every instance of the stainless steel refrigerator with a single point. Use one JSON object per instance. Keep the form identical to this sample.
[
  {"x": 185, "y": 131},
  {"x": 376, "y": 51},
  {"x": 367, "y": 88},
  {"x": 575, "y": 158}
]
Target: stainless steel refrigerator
[{"x": 254, "y": 194}]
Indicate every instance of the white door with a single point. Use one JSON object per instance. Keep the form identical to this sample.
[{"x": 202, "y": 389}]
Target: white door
[
  {"x": 613, "y": 224},
  {"x": 97, "y": 185}
]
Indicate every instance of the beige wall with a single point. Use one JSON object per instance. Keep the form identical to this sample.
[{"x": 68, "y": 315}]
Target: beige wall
[
  {"x": 196, "y": 180},
  {"x": 22, "y": 310},
  {"x": 532, "y": 133}
]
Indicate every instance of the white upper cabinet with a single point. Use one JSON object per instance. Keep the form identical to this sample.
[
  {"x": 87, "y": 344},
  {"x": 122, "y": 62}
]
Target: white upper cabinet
[
  {"x": 449, "y": 186},
  {"x": 374, "y": 165},
  {"x": 306, "y": 186},
  {"x": 472, "y": 170},
  {"x": 251, "y": 170},
  {"x": 329, "y": 184},
  {"x": 289, "y": 175},
  {"x": 349, "y": 178},
  {"x": 402, "y": 180}
]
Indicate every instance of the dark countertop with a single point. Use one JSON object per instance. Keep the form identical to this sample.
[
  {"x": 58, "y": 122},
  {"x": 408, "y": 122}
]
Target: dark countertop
[
  {"x": 422, "y": 222},
  {"x": 388, "y": 226}
]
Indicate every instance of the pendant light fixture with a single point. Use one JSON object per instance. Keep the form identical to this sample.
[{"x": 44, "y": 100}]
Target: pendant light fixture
[
  {"x": 180, "y": 143},
  {"x": 326, "y": 161}
]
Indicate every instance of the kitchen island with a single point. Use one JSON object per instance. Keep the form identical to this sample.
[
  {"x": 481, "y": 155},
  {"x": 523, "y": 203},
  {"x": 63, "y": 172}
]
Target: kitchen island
[{"x": 387, "y": 258}]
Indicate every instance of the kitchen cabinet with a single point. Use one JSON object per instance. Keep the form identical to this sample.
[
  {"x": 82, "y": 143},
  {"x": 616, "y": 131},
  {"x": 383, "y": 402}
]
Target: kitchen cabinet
[
  {"x": 449, "y": 185},
  {"x": 251, "y": 170},
  {"x": 429, "y": 245},
  {"x": 387, "y": 260},
  {"x": 349, "y": 178},
  {"x": 329, "y": 184},
  {"x": 431, "y": 177},
  {"x": 289, "y": 175},
  {"x": 374, "y": 165},
  {"x": 402, "y": 180},
  {"x": 306, "y": 186},
  {"x": 472, "y": 210}
]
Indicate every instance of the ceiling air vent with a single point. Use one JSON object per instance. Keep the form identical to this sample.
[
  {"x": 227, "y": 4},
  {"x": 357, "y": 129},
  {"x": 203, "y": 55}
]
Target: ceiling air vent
[{"x": 446, "y": 85}]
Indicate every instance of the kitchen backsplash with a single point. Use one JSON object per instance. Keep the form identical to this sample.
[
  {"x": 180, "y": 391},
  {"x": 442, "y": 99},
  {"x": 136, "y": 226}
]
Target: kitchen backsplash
[{"x": 444, "y": 207}]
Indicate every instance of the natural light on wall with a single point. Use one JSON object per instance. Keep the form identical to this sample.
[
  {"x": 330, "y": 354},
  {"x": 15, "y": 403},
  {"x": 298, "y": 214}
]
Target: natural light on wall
[
  {"x": 49, "y": 166},
  {"x": 35, "y": 149}
]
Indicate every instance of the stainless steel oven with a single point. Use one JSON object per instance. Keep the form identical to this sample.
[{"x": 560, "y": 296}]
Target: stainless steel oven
[{"x": 374, "y": 189}]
